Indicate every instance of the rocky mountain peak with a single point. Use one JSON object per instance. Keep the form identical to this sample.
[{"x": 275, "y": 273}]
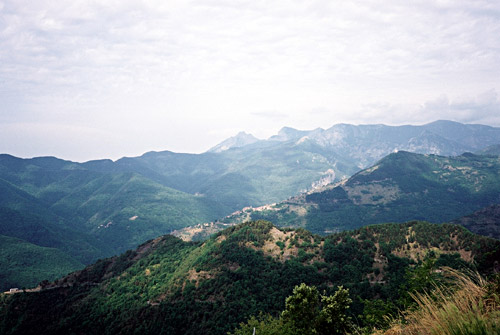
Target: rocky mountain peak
[{"x": 241, "y": 139}]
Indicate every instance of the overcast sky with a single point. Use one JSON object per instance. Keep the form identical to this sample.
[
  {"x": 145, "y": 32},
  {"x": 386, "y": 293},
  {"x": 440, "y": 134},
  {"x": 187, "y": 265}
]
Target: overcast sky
[{"x": 84, "y": 80}]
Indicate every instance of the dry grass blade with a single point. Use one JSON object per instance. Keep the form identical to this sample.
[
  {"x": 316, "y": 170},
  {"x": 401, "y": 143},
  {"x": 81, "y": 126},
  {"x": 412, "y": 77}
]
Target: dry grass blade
[{"x": 458, "y": 309}]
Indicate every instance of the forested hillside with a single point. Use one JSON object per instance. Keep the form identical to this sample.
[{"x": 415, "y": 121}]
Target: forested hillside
[
  {"x": 173, "y": 287},
  {"x": 86, "y": 211},
  {"x": 241, "y": 172},
  {"x": 100, "y": 208},
  {"x": 22, "y": 264},
  {"x": 485, "y": 221},
  {"x": 402, "y": 186}
]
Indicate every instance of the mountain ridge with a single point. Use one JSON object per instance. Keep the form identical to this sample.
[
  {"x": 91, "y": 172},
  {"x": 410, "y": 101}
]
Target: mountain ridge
[
  {"x": 485, "y": 221},
  {"x": 117, "y": 205},
  {"x": 400, "y": 187},
  {"x": 239, "y": 140},
  {"x": 176, "y": 287}
]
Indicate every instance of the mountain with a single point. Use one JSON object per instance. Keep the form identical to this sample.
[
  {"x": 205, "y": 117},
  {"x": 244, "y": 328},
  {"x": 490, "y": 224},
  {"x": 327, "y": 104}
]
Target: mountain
[
  {"x": 174, "y": 287},
  {"x": 493, "y": 150},
  {"x": 402, "y": 186},
  {"x": 255, "y": 173},
  {"x": 44, "y": 232},
  {"x": 240, "y": 140},
  {"x": 467, "y": 135},
  {"x": 99, "y": 208},
  {"x": 91, "y": 210},
  {"x": 485, "y": 221},
  {"x": 22, "y": 264},
  {"x": 126, "y": 209},
  {"x": 98, "y": 199},
  {"x": 287, "y": 134},
  {"x": 250, "y": 175},
  {"x": 365, "y": 144}
]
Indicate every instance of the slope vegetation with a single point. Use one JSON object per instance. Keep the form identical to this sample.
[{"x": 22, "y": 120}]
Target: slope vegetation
[
  {"x": 99, "y": 208},
  {"x": 239, "y": 173},
  {"x": 90, "y": 210},
  {"x": 22, "y": 264},
  {"x": 485, "y": 221},
  {"x": 402, "y": 186},
  {"x": 174, "y": 287}
]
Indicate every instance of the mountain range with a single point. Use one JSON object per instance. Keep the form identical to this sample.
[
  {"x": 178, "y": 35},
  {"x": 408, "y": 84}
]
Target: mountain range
[
  {"x": 100, "y": 208},
  {"x": 400, "y": 187},
  {"x": 243, "y": 171}
]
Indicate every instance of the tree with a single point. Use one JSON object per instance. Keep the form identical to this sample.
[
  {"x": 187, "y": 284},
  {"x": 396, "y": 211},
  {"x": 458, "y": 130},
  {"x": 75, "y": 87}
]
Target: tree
[
  {"x": 306, "y": 312},
  {"x": 312, "y": 313},
  {"x": 301, "y": 307},
  {"x": 265, "y": 324},
  {"x": 332, "y": 318},
  {"x": 420, "y": 279}
]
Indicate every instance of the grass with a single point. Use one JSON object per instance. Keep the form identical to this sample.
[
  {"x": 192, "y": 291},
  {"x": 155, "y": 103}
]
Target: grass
[{"x": 470, "y": 306}]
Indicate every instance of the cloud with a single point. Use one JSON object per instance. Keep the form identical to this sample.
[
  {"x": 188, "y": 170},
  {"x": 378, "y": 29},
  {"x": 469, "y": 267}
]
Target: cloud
[
  {"x": 482, "y": 109},
  {"x": 28, "y": 139},
  {"x": 228, "y": 65},
  {"x": 271, "y": 115}
]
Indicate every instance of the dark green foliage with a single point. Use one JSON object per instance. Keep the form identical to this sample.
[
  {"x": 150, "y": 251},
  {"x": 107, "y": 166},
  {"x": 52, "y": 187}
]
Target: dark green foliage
[
  {"x": 23, "y": 264},
  {"x": 401, "y": 187},
  {"x": 330, "y": 200},
  {"x": 301, "y": 308},
  {"x": 377, "y": 313},
  {"x": 266, "y": 325},
  {"x": 45, "y": 231},
  {"x": 333, "y": 318},
  {"x": 100, "y": 208},
  {"x": 90, "y": 210},
  {"x": 239, "y": 177},
  {"x": 167, "y": 286},
  {"x": 420, "y": 279},
  {"x": 485, "y": 221},
  {"x": 306, "y": 312},
  {"x": 256, "y": 232}
]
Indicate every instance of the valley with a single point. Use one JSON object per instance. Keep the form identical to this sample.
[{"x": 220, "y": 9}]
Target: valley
[
  {"x": 365, "y": 207},
  {"x": 402, "y": 186}
]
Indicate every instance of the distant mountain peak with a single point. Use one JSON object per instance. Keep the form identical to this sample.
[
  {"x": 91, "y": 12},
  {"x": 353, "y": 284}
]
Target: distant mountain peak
[
  {"x": 444, "y": 122},
  {"x": 285, "y": 131},
  {"x": 239, "y": 140},
  {"x": 289, "y": 134}
]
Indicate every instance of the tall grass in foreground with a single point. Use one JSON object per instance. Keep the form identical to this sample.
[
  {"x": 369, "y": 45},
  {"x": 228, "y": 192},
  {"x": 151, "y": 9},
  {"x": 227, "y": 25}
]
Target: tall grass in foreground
[{"x": 470, "y": 306}]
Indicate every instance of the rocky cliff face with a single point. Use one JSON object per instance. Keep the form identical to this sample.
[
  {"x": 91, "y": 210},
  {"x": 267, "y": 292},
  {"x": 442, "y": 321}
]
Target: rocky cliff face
[{"x": 240, "y": 140}]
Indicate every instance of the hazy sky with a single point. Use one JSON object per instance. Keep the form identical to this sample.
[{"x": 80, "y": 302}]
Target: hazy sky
[{"x": 92, "y": 79}]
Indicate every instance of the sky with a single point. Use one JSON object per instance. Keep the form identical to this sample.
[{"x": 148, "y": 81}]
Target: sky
[{"x": 85, "y": 80}]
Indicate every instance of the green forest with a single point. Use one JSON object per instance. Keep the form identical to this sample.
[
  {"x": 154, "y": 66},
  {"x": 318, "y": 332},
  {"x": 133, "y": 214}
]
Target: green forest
[
  {"x": 246, "y": 272},
  {"x": 400, "y": 187}
]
